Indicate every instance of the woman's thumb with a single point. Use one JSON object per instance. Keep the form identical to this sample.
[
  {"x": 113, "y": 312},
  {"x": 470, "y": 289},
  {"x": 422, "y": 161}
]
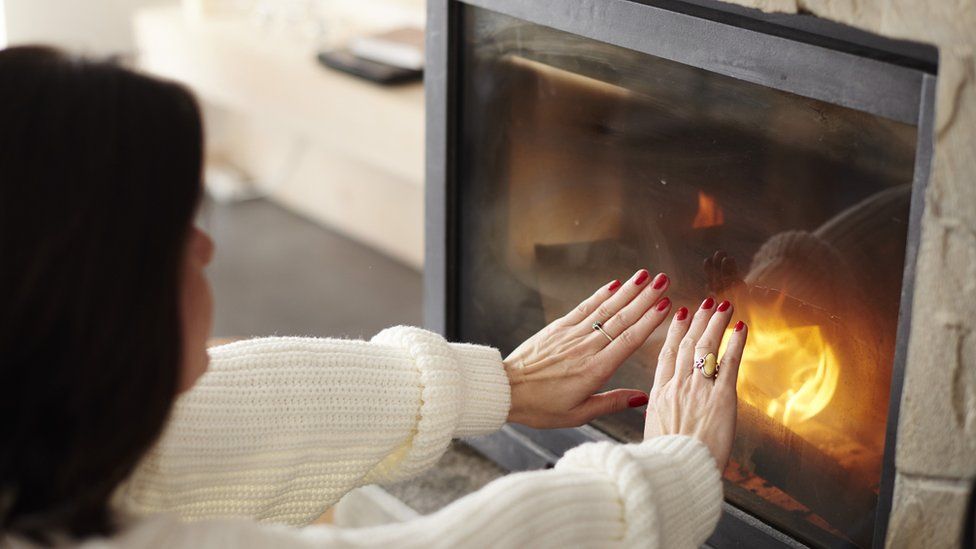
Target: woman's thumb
[{"x": 611, "y": 402}]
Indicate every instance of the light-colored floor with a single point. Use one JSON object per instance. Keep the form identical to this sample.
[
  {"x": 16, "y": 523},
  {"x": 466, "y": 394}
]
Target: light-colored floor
[{"x": 275, "y": 273}]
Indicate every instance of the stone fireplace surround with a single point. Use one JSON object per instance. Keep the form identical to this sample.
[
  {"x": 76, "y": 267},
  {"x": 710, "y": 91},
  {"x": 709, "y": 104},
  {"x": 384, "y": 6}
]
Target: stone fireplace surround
[{"x": 935, "y": 459}]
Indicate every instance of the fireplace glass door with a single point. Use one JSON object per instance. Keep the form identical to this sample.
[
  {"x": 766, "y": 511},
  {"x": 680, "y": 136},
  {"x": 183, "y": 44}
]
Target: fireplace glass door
[{"x": 580, "y": 162}]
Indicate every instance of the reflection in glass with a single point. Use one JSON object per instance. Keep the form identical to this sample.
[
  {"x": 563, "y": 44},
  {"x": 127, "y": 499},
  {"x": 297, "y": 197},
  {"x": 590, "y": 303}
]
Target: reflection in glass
[{"x": 581, "y": 162}]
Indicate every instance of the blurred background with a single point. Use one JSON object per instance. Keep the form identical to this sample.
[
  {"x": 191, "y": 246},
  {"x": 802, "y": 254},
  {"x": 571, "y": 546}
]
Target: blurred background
[{"x": 314, "y": 175}]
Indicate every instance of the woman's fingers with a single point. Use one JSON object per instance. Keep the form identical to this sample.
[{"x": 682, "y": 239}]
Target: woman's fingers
[
  {"x": 638, "y": 283},
  {"x": 647, "y": 297},
  {"x": 617, "y": 351},
  {"x": 686, "y": 348},
  {"x": 729, "y": 365},
  {"x": 669, "y": 351},
  {"x": 591, "y": 303},
  {"x": 711, "y": 338}
]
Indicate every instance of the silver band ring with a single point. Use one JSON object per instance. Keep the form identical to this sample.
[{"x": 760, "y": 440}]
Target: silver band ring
[
  {"x": 598, "y": 326},
  {"x": 707, "y": 365}
]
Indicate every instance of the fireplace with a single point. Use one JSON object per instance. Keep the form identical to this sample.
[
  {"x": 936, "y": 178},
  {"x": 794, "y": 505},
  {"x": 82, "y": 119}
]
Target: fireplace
[{"x": 779, "y": 162}]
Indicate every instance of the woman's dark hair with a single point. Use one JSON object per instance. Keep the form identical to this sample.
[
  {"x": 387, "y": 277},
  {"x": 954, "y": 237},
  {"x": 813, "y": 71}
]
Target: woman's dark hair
[{"x": 99, "y": 182}]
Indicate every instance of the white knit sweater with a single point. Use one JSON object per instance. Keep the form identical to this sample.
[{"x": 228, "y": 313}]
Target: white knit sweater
[{"x": 279, "y": 429}]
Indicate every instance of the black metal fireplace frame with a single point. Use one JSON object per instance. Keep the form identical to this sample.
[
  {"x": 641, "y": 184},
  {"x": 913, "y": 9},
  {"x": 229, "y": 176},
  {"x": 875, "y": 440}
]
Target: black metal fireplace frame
[{"x": 794, "y": 53}]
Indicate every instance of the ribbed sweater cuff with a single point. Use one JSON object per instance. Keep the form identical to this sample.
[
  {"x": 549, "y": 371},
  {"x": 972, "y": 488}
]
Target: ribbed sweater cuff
[
  {"x": 486, "y": 392},
  {"x": 689, "y": 493},
  {"x": 669, "y": 487}
]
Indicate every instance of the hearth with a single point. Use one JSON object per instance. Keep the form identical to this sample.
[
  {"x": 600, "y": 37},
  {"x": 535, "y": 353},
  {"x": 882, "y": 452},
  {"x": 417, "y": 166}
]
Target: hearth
[{"x": 776, "y": 161}]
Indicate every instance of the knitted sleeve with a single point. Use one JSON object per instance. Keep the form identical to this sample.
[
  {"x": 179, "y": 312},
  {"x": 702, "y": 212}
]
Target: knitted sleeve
[
  {"x": 279, "y": 429},
  {"x": 663, "y": 493}
]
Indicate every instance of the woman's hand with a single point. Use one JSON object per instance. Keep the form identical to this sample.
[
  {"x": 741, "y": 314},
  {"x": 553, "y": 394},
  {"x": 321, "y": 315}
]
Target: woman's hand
[
  {"x": 555, "y": 373},
  {"x": 684, "y": 401}
]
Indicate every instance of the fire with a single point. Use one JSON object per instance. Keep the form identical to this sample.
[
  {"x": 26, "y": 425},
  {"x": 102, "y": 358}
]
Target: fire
[
  {"x": 788, "y": 371},
  {"x": 709, "y": 213}
]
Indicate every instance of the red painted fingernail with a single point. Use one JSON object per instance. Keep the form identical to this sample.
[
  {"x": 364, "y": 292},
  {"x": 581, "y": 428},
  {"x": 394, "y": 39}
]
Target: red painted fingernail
[
  {"x": 642, "y": 276},
  {"x": 637, "y": 401},
  {"x": 614, "y": 286},
  {"x": 660, "y": 281},
  {"x": 739, "y": 326},
  {"x": 664, "y": 304},
  {"x": 707, "y": 304},
  {"x": 724, "y": 306},
  {"x": 682, "y": 314}
]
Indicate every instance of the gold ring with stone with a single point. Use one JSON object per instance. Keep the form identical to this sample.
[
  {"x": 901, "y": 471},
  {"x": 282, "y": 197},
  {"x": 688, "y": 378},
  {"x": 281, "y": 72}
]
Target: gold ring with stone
[
  {"x": 598, "y": 326},
  {"x": 707, "y": 365}
]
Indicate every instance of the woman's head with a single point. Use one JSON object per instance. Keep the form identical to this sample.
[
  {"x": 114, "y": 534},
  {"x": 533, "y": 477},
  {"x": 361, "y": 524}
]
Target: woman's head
[{"x": 101, "y": 290}]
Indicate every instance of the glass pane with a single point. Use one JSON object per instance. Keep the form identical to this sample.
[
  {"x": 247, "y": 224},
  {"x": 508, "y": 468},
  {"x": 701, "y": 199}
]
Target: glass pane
[{"x": 581, "y": 162}]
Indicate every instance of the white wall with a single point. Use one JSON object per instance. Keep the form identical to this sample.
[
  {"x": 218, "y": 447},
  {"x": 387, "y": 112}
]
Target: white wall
[
  {"x": 3, "y": 27},
  {"x": 91, "y": 26}
]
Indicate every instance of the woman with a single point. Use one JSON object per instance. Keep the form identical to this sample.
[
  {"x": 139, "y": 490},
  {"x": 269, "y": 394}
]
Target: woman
[{"x": 104, "y": 316}]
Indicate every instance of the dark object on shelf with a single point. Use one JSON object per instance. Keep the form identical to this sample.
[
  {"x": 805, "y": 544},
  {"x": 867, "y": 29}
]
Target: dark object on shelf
[
  {"x": 402, "y": 47},
  {"x": 381, "y": 73}
]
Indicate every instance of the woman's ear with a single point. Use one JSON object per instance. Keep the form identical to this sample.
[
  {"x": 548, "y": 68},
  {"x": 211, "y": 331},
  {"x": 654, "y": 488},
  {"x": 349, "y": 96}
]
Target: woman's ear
[
  {"x": 197, "y": 308},
  {"x": 201, "y": 246}
]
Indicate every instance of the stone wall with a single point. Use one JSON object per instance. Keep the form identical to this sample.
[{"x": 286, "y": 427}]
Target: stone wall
[{"x": 936, "y": 455}]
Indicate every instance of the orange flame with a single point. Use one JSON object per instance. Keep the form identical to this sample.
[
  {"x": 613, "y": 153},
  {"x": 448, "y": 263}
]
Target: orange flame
[
  {"x": 709, "y": 213},
  {"x": 788, "y": 371}
]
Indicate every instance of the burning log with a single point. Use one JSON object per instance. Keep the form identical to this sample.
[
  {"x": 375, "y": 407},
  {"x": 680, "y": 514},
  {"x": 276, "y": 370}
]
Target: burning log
[
  {"x": 782, "y": 457},
  {"x": 829, "y": 366}
]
